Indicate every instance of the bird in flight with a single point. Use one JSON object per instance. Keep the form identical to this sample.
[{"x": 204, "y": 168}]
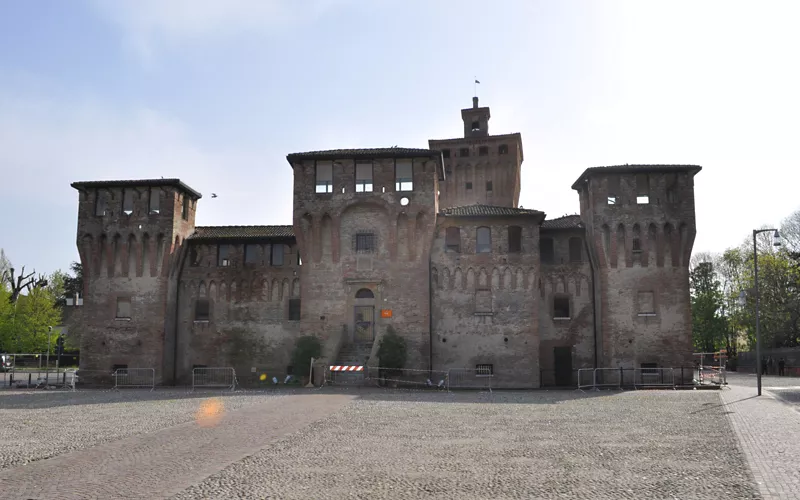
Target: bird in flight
[{"x": 213, "y": 195}]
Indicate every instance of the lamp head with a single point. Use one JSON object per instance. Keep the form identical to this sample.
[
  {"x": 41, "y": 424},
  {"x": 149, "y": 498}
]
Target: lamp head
[
  {"x": 742, "y": 298},
  {"x": 776, "y": 239}
]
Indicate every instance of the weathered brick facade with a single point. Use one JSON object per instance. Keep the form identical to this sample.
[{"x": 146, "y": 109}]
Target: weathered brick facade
[{"x": 429, "y": 241}]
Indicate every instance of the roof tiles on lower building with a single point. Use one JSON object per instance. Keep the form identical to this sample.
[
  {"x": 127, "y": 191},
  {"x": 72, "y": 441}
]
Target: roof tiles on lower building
[
  {"x": 241, "y": 232},
  {"x": 566, "y": 222},
  {"x": 479, "y": 210},
  {"x": 363, "y": 153},
  {"x": 634, "y": 169}
]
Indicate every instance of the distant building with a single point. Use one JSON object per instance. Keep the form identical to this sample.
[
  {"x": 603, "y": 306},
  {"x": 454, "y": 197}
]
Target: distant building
[{"x": 430, "y": 241}]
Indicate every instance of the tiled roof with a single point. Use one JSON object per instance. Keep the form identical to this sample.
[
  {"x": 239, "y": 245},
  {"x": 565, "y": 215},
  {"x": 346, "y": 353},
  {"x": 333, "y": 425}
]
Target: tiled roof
[
  {"x": 634, "y": 169},
  {"x": 241, "y": 232},
  {"x": 486, "y": 211},
  {"x": 565, "y": 222},
  {"x": 368, "y": 153},
  {"x": 136, "y": 183}
]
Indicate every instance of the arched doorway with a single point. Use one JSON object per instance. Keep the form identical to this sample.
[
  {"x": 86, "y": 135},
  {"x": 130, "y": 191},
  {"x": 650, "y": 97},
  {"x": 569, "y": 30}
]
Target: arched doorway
[{"x": 364, "y": 316}]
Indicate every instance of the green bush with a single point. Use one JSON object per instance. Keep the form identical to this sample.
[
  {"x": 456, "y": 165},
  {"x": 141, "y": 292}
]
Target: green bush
[
  {"x": 392, "y": 351},
  {"x": 304, "y": 349}
]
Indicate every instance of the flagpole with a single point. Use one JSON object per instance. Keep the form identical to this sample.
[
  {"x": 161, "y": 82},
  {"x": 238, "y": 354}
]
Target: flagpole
[{"x": 475, "y": 86}]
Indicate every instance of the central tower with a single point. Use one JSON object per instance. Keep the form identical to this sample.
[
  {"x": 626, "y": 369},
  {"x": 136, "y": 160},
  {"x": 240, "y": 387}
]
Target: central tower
[{"x": 480, "y": 168}]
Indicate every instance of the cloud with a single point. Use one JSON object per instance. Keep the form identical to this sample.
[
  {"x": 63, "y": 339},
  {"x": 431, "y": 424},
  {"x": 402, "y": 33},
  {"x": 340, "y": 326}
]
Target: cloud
[{"x": 148, "y": 25}]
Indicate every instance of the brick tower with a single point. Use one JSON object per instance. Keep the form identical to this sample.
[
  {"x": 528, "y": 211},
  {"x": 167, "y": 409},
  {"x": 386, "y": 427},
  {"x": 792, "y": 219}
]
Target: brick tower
[
  {"x": 640, "y": 224},
  {"x": 480, "y": 168},
  {"x": 129, "y": 236}
]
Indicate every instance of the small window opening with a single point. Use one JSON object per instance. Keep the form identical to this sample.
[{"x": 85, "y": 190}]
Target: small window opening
[
  {"x": 642, "y": 199},
  {"x": 575, "y": 250},
  {"x": 546, "y": 251},
  {"x": 637, "y": 245},
  {"x": 100, "y": 203},
  {"x": 483, "y": 240},
  {"x": 276, "y": 256},
  {"x": 201, "y": 310},
  {"x": 364, "y": 177},
  {"x": 127, "y": 201},
  {"x": 365, "y": 243},
  {"x": 185, "y": 208},
  {"x": 324, "y": 174},
  {"x": 613, "y": 200},
  {"x": 250, "y": 254},
  {"x": 463, "y": 152},
  {"x": 483, "y": 151},
  {"x": 194, "y": 257},
  {"x": 561, "y": 307},
  {"x": 670, "y": 195},
  {"x": 452, "y": 239},
  {"x": 123, "y": 308},
  {"x": 485, "y": 370},
  {"x": 514, "y": 239},
  {"x": 403, "y": 176},
  {"x": 502, "y": 149},
  {"x": 294, "y": 309},
  {"x": 476, "y": 126},
  {"x": 155, "y": 200},
  {"x": 489, "y": 186},
  {"x": 223, "y": 256},
  {"x": 468, "y": 185},
  {"x": 446, "y": 153},
  {"x": 119, "y": 369}
]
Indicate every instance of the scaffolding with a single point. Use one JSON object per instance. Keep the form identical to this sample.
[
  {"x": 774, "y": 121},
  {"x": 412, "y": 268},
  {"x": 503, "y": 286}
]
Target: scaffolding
[{"x": 710, "y": 368}]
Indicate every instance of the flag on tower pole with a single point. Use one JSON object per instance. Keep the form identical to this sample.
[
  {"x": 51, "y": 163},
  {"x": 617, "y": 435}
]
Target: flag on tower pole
[{"x": 475, "y": 85}]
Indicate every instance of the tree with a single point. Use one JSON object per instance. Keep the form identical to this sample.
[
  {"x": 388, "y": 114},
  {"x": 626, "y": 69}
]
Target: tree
[
  {"x": 392, "y": 351},
  {"x": 305, "y": 348},
  {"x": 73, "y": 285},
  {"x": 5, "y": 266},
  {"x": 790, "y": 232},
  {"x": 25, "y": 324},
  {"x": 709, "y": 325}
]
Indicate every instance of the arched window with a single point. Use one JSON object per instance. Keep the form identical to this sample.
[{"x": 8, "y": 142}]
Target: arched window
[
  {"x": 365, "y": 293},
  {"x": 483, "y": 240}
]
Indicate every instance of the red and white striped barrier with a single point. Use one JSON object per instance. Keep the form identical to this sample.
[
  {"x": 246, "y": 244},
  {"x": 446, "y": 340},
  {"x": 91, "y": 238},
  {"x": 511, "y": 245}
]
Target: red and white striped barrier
[{"x": 347, "y": 368}]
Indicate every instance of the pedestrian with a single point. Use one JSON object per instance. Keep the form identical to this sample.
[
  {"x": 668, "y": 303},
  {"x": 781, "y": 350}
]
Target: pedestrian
[
  {"x": 764, "y": 365},
  {"x": 781, "y": 367},
  {"x": 770, "y": 364}
]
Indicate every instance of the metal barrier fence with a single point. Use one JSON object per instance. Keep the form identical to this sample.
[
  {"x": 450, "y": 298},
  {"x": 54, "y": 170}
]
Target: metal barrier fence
[
  {"x": 653, "y": 377},
  {"x": 469, "y": 378},
  {"x": 40, "y": 379},
  {"x": 142, "y": 378},
  {"x": 609, "y": 378},
  {"x": 344, "y": 375},
  {"x": 407, "y": 377},
  {"x": 219, "y": 377},
  {"x": 585, "y": 378}
]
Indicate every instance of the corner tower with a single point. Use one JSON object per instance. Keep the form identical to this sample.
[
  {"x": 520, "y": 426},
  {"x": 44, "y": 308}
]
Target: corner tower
[
  {"x": 129, "y": 236},
  {"x": 640, "y": 227},
  {"x": 480, "y": 168}
]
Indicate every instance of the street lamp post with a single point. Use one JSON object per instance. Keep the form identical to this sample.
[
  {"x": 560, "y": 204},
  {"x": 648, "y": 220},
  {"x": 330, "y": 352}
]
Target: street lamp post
[{"x": 776, "y": 241}]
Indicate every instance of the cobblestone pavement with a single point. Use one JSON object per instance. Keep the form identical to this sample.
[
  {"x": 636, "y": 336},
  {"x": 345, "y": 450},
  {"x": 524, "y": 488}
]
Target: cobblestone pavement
[
  {"x": 157, "y": 458},
  {"x": 607, "y": 445},
  {"x": 768, "y": 430}
]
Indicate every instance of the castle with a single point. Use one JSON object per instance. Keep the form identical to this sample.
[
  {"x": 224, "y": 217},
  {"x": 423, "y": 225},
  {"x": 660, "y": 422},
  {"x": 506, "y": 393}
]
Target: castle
[{"x": 431, "y": 242}]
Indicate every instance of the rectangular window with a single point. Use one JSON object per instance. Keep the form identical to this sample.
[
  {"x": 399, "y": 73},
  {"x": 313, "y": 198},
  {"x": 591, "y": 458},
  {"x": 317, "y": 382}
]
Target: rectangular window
[
  {"x": 223, "y": 255},
  {"x": 642, "y": 200},
  {"x": 561, "y": 308},
  {"x": 670, "y": 195},
  {"x": 294, "y": 309},
  {"x": 250, "y": 254},
  {"x": 364, "y": 177},
  {"x": 483, "y": 151},
  {"x": 365, "y": 243},
  {"x": 463, "y": 152},
  {"x": 546, "y": 251},
  {"x": 201, "y": 310},
  {"x": 155, "y": 200},
  {"x": 502, "y": 149},
  {"x": 485, "y": 370},
  {"x": 637, "y": 245},
  {"x": 489, "y": 186},
  {"x": 403, "y": 175},
  {"x": 100, "y": 204},
  {"x": 119, "y": 369},
  {"x": 324, "y": 177},
  {"x": 613, "y": 199},
  {"x": 446, "y": 153},
  {"x": 647, "y": 305},
  {"x": 483, "y": 240},
  {"x": 123, "y": 308},
  {"x": 483, "y": 301},
  {"x": 127, "y": 201},
  {"x": 575, "y": 249},
  {"x": 276, "y": 256},
  {"x": 514, "y": 239},
  {"x": 476, "y": 126},
  {"x": 642, "y": 189},
  {"x": 468, "y": 185},
  {"x": 452, "y": 239},
  {"x": 185, "y": 208}
]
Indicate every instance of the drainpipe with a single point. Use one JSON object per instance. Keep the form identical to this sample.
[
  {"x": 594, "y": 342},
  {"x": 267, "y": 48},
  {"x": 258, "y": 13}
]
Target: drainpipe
[
  {"x": 430, "y": 318},
  {"x": 594, "y": 296}
]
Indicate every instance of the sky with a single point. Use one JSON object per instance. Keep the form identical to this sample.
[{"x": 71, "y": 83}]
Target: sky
[{"x": 217, "y": 93}]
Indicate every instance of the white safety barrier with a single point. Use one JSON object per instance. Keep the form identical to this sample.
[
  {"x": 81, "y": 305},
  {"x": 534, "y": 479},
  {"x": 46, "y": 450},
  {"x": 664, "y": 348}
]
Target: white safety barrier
[
  {"x": 405, "y": 377},
  {"x": 344, "y": 375},
  {"x": 469, "y": 378},
  {"x": 653, "y": 377},
  {"x": 585, "y": 378},
  {"x": 142, "y": 378},
  {"x": 610, "y": 378},
  {"x": 220, "y": 377}
]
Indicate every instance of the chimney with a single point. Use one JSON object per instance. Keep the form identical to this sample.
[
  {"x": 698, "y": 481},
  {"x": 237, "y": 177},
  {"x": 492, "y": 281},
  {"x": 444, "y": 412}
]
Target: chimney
[{"x": 475, "y": 102}]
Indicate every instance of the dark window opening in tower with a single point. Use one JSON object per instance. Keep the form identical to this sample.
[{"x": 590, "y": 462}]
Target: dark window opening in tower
[
  {"x": 250, "y": 252},
  {"x": 185, "y": 208},
  {"x": 514, "y": 239},
  {"x": 364, "y": 177},
  {"x": 223, "y": 252},
  {"x": 276, "y": 257},
  {"x": 483, "y": 151},
  {"x": 155, "y": 201},
  {"x": 446, "y": 153},
  {"x": 483, "y": 240},
  {"x": 365, "y": 243},
  {"x": 502, "y": 149},
  {"x": 324, "y": 177},
  {"x": 469, "y": 185},
  {"x": 476, "y": 126},
  {"x": 127, "y": 201},
  {"x": 452, "y": 239},
  {"x": 575, "y": 250},
  {"x": 561, "y": 307},
  {"x": 546, "y": 251},
  {"x": 100, "y": 204},
  {"x": 403, "y": 176},
  {"x": 463, "y": 152},
  {"x": 489, "y": 186},
  {"x": 637, "y": 244},
  {"x": 201, "y": 310}
]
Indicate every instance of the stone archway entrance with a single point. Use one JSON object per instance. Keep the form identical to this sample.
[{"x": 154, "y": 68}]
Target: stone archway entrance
[{"x": 364, "y": 316}]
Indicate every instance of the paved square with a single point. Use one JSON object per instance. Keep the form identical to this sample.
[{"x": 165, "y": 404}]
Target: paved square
[{"x": 371, "y": 444}]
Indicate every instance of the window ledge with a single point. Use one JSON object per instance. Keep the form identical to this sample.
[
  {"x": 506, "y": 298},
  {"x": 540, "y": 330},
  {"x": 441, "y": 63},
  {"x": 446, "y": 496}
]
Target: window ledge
[
  {"x": 646, "y": 315},
  {"x": 122, "y": 319},
  {"x": 484, "y": 314},
  {"x": 201, "y": 321},
  {"x": 561, "y": 319}
]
